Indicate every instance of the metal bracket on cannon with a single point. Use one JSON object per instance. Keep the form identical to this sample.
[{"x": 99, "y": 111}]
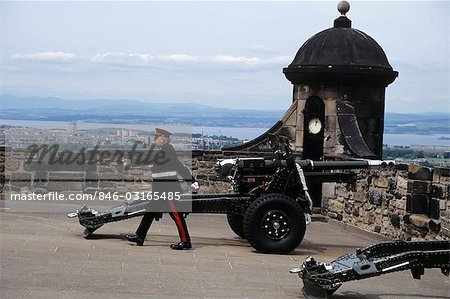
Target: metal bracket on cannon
[{"x": 321, "y": 280}]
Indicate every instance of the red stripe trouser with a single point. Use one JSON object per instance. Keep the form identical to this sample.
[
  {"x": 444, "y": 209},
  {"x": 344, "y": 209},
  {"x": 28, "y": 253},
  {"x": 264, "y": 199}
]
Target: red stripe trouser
[{"x": 178, "y": 218}]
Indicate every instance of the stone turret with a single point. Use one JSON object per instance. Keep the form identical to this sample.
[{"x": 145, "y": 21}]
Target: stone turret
[{"x": 339, "y": 77}]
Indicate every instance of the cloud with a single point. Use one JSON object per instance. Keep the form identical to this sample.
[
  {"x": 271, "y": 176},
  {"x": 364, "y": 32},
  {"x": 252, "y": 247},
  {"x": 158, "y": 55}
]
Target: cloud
[
  {"x": 45, "y": 56},
  {"x": 261, "y": 49},
  {"x": 178, "y": 58},
  {"x": 177, "y": 62},
  {"x": 229, "y": 62}
]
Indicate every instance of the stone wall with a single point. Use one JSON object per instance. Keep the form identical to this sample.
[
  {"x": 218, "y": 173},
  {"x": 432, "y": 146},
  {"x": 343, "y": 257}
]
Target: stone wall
[
  {"x": 407, "y": 202},
  {"x": 2, "y": 171},
  {"x": 106, "y": 175}
]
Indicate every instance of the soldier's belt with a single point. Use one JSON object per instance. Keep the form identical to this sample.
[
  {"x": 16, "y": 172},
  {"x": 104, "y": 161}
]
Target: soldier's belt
[{"x": 164, "y": 174}]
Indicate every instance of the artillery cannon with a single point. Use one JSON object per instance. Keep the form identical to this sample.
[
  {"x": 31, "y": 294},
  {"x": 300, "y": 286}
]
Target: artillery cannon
[{"x": 269, "y": 204}]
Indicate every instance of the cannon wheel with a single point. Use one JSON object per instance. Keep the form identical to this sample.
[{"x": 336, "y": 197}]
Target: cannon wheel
[
  {"x": 236, "y": 223},
  {"x": 274, "y": 223}
]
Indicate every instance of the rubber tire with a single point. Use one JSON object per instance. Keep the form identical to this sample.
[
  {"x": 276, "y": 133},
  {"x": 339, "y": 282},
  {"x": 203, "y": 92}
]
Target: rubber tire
[
  {"x": 236, "y": 223},
  {"x": 254, "y": 216}
]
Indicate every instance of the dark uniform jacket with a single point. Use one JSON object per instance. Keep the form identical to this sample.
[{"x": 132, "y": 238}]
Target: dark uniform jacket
[{"x": 167, "y": 171}]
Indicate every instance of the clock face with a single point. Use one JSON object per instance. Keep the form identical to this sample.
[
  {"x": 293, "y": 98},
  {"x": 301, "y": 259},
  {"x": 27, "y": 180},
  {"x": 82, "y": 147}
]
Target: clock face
[{"x": 314, "y": 126}]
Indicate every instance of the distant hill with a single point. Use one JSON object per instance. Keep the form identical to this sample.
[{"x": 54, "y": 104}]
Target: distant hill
[
  {"x": 417, "y": 123},
  {"x": 15, "y": 102},
  {"x": 132, "y": 111}
]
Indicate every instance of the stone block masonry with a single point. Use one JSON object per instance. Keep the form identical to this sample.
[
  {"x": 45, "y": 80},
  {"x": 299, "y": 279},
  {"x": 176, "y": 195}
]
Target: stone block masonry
[{"x": 410, "y": 201}]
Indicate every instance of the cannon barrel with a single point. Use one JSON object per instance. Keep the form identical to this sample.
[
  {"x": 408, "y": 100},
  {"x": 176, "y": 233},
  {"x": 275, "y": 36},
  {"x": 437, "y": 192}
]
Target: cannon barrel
[
  {"x": 353, "y": 164},
  {"x": 263, "y": 166},
  {"x": 309, "y": 165}
]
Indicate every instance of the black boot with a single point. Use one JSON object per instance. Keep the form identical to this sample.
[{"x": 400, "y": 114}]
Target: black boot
[
  {"x": 181, "y": 246},
  {"x": 135, "y": 238}
]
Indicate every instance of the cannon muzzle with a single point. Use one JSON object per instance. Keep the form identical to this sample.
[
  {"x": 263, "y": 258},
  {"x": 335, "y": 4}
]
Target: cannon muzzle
[{"x": 351, "y": 164}]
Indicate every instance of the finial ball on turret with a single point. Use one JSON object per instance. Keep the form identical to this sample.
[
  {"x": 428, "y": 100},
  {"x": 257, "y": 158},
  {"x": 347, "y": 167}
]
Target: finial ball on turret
[{"x": 343, "y": 7}]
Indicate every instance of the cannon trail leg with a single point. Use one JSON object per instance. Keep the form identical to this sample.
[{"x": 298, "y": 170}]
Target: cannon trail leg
[{"x": 321, "y": 280}]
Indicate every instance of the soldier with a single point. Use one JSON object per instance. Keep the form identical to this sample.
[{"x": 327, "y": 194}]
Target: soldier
[{"x": 165, "y": 180}]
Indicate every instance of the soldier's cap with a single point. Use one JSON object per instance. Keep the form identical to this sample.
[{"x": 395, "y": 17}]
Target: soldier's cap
[{"x": 161, "y": 132}]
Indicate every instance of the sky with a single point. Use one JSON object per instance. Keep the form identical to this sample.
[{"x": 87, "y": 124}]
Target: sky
[{"x": 225, "y": 54}]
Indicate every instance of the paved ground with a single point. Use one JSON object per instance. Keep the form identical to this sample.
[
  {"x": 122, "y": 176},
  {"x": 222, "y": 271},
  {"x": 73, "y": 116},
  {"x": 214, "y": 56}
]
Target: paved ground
[{"x": 44, "y": 256}]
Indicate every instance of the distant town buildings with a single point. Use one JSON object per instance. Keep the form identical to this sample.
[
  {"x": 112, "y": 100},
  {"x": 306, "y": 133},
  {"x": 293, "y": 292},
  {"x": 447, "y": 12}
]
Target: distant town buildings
[
  {"x": 204, "y": 142},
  {"x": 72, "y": 128},
  {"x": 126, "y": 133},
  {"x": 74, "y": 138}
]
